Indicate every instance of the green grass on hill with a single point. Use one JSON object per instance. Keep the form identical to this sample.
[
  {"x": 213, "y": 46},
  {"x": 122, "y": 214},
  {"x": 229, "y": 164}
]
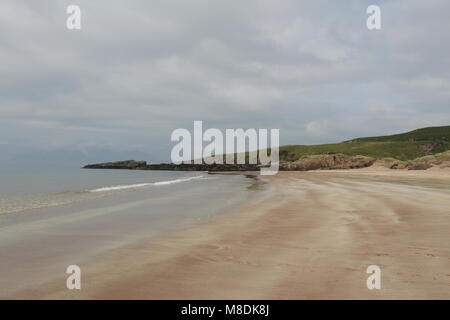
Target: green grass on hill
[
  {"x": 405, "y": 146},
  {"x": 424, "y": 134}
]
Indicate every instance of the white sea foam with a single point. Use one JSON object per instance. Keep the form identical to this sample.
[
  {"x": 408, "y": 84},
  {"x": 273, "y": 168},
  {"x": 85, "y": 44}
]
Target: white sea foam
[
  {"x": 121, "y": 187},
  {"x": 140, "y": 185}
]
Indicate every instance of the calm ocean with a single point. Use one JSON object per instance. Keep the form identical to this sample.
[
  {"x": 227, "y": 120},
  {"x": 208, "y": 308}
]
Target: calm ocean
[
  {"x": 52, "y": 219},
  {"x": 23, "y": 190}
]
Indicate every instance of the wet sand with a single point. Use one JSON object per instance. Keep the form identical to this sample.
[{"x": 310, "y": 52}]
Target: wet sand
[{"x": 310, "y": 235}]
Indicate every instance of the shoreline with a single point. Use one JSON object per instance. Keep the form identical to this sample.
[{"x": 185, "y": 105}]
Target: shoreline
[
  {"x": 38, "y": 246},
  {"x": 311, "y": 235}
]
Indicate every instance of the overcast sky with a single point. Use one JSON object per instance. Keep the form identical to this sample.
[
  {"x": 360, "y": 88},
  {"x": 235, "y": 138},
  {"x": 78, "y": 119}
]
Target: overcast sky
[{"x": 137, "y": 70}]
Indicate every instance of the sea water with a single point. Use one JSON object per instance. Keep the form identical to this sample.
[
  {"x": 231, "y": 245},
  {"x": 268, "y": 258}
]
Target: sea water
[{"x": 52, "y": 219}]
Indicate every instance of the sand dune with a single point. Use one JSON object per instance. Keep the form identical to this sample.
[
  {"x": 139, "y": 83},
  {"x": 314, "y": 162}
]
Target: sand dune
[{"x": 311, "y": 235}]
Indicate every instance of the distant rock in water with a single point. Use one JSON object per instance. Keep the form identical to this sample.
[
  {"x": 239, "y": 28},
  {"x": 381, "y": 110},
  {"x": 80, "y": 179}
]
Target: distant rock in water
[
  {"x": 142, "y": 165},
  {"x": 127, "y": 164}
]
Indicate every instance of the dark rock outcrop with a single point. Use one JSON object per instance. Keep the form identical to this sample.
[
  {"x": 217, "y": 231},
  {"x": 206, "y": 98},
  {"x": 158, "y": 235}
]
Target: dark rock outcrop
[
  {"x": 127, "y": 164},
  {"x": 142, "y": 165}
]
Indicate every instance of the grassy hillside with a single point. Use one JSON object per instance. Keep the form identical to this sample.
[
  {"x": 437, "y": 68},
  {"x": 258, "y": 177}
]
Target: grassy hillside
[
  {"x": 404, "y": 146},
  {"x": 424, "y": 134}
]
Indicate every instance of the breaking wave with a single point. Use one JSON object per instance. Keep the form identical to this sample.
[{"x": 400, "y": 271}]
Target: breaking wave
[{"x": 140, "y": 185}]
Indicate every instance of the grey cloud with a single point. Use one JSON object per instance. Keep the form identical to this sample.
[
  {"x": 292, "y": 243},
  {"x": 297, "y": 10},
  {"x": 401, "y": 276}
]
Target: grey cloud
[{"x": 139, "y": 69}]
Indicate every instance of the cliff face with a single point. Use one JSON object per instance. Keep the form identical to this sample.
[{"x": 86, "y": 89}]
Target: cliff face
[
  {"x": 336, "y": 161},
  {"x": 440, "y": 160}
]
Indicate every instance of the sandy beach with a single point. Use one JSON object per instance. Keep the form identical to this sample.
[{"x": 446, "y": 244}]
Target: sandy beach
[{"x": 309, "y": 235}]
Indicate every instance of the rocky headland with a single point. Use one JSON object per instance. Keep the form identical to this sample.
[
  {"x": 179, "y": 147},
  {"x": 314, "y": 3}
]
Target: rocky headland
[{"x": 305, "y": 163}]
